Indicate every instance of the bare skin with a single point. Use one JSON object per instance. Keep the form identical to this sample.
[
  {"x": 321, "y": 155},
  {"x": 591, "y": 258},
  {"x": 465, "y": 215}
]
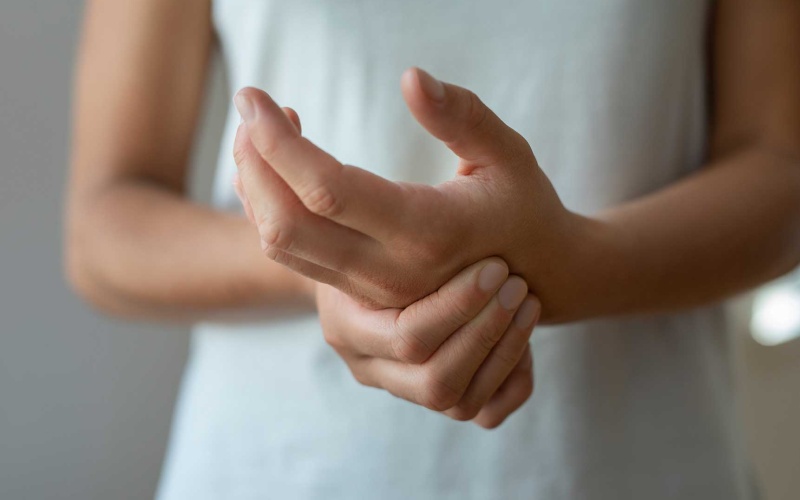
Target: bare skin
[
  {"x": 460, "y": 350},
  {"x": 732, "y": 225},
  {"x": 137, "y": 247}
]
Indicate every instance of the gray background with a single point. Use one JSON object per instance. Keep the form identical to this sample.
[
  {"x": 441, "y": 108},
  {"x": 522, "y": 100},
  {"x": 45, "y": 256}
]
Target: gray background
[{"x": 86, "y": 401}]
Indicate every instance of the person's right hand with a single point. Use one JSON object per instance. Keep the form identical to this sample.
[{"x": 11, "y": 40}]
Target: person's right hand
[{"x": 462, "y": 350}]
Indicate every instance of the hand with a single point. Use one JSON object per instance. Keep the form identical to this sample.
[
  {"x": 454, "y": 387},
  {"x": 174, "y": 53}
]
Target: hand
[
  {"x": 463, "y": 350},
  {"x": 305, "y": 285},
  {"x": 387, "y": 243}
]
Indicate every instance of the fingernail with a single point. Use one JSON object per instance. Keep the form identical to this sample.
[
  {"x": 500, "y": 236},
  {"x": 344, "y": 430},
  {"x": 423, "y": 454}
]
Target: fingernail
[
  {"x": 264, "y": 245},
  {"x": 526, "y": 313},
  {"x": 512, "y": 293},
  {"x": 432, "y": 87},
  {"x": 245, "y": 107},
  {"x": 492, "y": 276}
]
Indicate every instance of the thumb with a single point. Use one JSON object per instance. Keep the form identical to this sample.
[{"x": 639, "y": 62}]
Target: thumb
[
  {"x": 458, "y": 117},
  {"x": 294, "y": 117}
]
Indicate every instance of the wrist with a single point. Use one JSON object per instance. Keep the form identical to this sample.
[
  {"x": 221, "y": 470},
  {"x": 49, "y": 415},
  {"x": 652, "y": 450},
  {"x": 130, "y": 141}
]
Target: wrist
[{"x": 580, "y": 275}]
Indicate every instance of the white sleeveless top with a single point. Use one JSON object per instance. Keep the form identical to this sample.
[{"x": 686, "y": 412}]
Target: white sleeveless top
[{"x": 611, "y": 96}]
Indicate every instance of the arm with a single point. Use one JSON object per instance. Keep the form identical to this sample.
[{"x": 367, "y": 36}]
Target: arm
[
  {"x": 135, "y": 245},
  {"x": 733, "y": 225},
  {"x": 736, "y": 223}
]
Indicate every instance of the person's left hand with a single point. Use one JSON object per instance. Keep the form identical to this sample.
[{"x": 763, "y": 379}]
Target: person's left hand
[
  {"x": 388, "y": 244},
  {"x": 462, "y": 350}
]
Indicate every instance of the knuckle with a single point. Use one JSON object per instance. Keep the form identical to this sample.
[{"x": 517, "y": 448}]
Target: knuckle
[
  {"x": 488, "y": 336},
  {"x": 438, "y": 395},
  {"x": 477, "y": 112},
  {"x": 410, "y": 348},
  {"x": 333, "y": 339},
  {"x": 240, "y": 156},
  {"x": 361, "y": 369},
  {"x": 321, "y": 200},
  {"x": 361, "y": 377},
  {"x": 276, "y": 231},
  {"x": 267, "y": 146},
  {"x": 492, "y": 422},
  {"x": 449, "y": 315},
  {"x": 506, "y": 359},
  {"x": 465, "y": 410},
  {"x": 457, "y": 306}
]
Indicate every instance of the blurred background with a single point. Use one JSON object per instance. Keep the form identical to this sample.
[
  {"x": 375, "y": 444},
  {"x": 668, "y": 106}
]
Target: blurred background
[{"x": 86, "y": 402}]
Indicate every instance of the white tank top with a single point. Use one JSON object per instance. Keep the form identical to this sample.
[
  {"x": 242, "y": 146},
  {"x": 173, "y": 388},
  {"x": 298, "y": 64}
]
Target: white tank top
[{"x": 611, "y": 96}]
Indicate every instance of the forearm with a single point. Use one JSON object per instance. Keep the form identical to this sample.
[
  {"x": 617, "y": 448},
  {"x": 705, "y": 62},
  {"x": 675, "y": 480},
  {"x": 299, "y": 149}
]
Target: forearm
[
  {"x": 731, "y": 226},
  {"x": 140, "y": 250}
]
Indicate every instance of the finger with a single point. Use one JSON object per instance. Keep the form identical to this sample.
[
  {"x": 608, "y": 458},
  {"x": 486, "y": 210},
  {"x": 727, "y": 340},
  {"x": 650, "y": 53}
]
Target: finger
[
  {"x": 350, "y": 327},
  {"x": 440, "y": 382},
  {"x": 458, "y": 117},
  {"x": 237, "y": 181},
  {"x": 411, "y": 335},
  {"x": 293, "y": 117},
  {"x": 296, "y": 264},
  {"x": 455, "y": 363},
  {"x": 348, "y": 195},
  {"x": 514, "y": 392},
  {"x": 308, "y": 269},
  {"x": 423, "y": 326},
  {"x": 286, "y": 226},
  {"x": 237, "y": 187},
  {"x": 500, "y": 362}
]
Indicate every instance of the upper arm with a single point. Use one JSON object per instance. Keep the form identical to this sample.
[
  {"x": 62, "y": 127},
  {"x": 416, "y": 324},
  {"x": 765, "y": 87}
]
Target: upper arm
[
  {"x": 756, "y": 84},
  {"x": 139, "y": 83}
]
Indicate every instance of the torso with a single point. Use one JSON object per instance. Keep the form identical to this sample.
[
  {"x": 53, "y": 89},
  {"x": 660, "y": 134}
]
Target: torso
[{"x": 611, "y": 96}]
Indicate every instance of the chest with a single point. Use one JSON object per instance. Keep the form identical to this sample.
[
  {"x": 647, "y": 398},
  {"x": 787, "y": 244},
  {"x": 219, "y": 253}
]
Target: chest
[{"x": 610, "y": 93}]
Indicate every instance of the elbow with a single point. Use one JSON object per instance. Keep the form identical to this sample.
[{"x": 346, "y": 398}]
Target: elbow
[
  {"x": 80, "y": 275},
  {"x": 81, "y": 271},
  {"x": 92, "y": 268},
  {"x": 78, "y": 278}
]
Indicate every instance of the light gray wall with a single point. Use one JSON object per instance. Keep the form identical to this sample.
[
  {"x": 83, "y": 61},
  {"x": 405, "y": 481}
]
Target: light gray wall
[{"x": 85, "y": 402}]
